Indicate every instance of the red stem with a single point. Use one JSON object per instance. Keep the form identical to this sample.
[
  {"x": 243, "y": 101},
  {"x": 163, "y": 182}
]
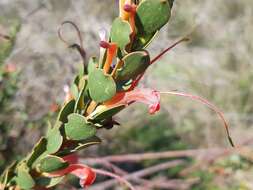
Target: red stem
[
  {"x": 210, "y": 105},
  {"x": 169, "y": 48}
]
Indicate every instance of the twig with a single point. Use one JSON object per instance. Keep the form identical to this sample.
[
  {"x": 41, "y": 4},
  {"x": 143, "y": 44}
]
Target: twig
[
  {"x": 139, "y": 174},
  {"x": 172, "y": 184},
  {"x": 105, "y": 163},
  {"x": 210, "y": 158},
  {"x": 156, "y": 155},
  {"x": 170, "y": 154},
  {"x": 117, "y": 178}
]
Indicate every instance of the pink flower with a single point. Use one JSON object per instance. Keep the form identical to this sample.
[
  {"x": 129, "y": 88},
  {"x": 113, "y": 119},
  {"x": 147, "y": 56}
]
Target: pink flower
[{"x": 146, "y": 96}]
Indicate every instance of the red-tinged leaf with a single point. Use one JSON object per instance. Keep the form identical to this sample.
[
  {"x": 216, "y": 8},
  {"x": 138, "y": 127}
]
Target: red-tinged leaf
[{"x": 146, "y": 96}]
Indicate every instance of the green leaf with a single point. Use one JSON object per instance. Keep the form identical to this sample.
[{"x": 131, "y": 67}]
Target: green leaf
[
  {"x": 142, "y": 41},
  {"x": 101, "y": 86},
  {"x": 103, "y": 112},
  {"x": 152, "y": 15},
  {"x": 74, "y": 90},
  {"x": 78, "y": 146},
  {"x": 66, "y": 110},
  {"x": 82, "y": 83},
  {"x": 93, "y": 63},
  {"x": 80, "y": 104},
  {"x": 8, "y": 174},
  {"x": 86, "y": 143},
  {"x": 76, "y": 80},
  {"x": 37, "y": 151},
  {"x": 123, "y": 86},
  {"x": 120, "y": 33},
  {"x": 54, "y": 139},
  {"x": 52, "y": 163},
  {"x": 80, "y": 101},
  {"x": 134, "y": 64},
  {"x": 48, "y": 182},
  {"x": 77, "y": 128},
  {"x": 24, "y": 179}
]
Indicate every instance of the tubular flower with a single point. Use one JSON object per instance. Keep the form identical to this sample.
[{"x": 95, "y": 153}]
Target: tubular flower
[
  {"x": 86, "y": 175},
  {"x": 111, "y": 50},
  {"x": 131, "y": 10},
  {"x": 122, "y": 13},
  {"x": 146, "y": 96}
]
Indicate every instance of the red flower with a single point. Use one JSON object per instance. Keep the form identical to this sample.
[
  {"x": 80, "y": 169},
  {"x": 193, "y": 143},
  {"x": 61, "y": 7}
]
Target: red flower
[
  {"x": 111, "y": 50},
  {"x": 146, "y": 96},
  {"x": 86, "y": 174}
]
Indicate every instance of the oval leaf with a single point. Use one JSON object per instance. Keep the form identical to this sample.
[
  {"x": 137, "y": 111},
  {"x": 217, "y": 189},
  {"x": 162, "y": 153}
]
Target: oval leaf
[
  {"x": 24, "y": 179},
  {"x": 51, "y": 164},
  {"x": 120, "y": 33},
  {"x": 66, "y": 110},
  {"x": 103, "y": 112},
  {"x": 74, "y": 90},
  {"x": 152, "y": 15},
  {"x": 77, "y": 128},
  {"x": 48, "y": 182},
  {"x": 54, "y": 139},
  {"x": 101, "y": 87},
  {"x": 78, "y": 146},
  {"x": 37, "y": 151},
  {"x": 93, "y": 63},
  {"x": 134, "y": 64},
  {"x": 142, "y": 41},
  {"x": 86, "y": 143}
]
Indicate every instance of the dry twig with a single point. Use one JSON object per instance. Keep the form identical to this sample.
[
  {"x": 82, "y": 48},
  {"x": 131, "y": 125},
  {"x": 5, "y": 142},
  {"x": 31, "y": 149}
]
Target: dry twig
[{"x": 139, "y": 174}]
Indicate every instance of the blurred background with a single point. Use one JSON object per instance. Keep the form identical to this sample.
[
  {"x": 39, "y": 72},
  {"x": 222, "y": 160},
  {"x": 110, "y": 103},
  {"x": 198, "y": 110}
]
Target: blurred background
[{"x": 215, "y": 64}]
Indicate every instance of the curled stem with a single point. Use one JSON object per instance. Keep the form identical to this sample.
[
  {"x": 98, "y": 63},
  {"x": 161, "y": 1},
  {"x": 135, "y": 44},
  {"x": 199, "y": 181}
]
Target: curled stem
[
  {"x": 79, "y": 46},
  {"x": 208, "y": 104}
]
